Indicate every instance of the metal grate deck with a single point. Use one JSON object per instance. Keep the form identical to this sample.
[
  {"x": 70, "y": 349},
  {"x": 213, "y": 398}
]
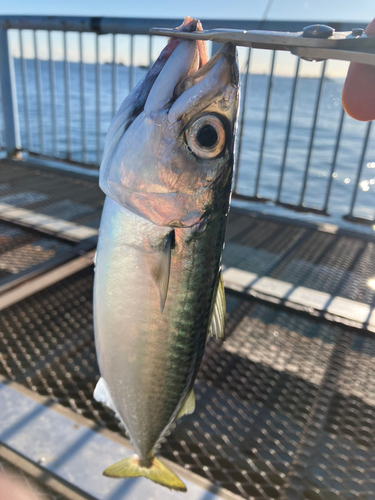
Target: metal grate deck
[
  {"x": 51, "y": 193},
  {"x": 339, "y": 264},
  {"x": 23, "y": 251},
  {"x": 285, "y": 407}
]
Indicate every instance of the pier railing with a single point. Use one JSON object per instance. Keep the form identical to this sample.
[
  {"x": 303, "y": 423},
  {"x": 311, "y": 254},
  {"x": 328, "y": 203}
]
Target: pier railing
[{"x": 62, "y": 79}]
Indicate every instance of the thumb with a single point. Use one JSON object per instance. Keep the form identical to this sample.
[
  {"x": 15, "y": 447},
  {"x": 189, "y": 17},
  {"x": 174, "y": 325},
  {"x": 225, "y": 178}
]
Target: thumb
[{"x": 358, "y": 94}]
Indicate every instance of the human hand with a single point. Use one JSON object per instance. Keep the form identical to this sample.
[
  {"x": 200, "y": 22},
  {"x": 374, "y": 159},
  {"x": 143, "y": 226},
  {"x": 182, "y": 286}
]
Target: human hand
[
  {"x": 358, "y": 94},
  {"x": 14, "y": 488}
]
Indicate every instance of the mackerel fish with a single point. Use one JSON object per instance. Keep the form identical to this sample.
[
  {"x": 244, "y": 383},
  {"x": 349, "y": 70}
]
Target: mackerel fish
[{"x": 167, "y": 171}]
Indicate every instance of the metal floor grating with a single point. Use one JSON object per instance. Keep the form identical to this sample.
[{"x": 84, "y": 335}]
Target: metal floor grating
[
  {"x": 285, "y": 407},
  {"x": 51, "y": 193},
  {"x": 338, "y": 264},
  {"x": 23, "y": 251}
]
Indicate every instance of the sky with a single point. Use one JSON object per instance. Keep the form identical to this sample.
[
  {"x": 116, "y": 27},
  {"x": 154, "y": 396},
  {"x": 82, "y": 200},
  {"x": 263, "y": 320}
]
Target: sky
[
  {"x": 339, "y": 10},
  {"x": 361, "y": 11}
]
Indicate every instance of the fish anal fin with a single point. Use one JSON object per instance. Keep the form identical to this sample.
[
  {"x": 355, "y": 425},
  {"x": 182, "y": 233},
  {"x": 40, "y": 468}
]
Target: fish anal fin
[
  {"x": 188, "y": 406},
  {"x": 102, "y": 395},
  {"x": 157, "y": 472},
  {"x": 160, "y": 270},
  {"x": 217, "y": 323}
]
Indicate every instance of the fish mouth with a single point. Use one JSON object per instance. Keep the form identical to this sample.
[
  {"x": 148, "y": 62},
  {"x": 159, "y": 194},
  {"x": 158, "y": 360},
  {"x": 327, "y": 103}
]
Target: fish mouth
[
  {"x": 228, "y": 51},
  {"x": 182, "y": 64},
  {"x": 191, "y": 24},
  {"x": 201, "y": 58}
]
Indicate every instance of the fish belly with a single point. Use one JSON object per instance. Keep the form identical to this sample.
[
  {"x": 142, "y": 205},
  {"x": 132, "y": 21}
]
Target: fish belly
[{"x": 149, "y": 358}]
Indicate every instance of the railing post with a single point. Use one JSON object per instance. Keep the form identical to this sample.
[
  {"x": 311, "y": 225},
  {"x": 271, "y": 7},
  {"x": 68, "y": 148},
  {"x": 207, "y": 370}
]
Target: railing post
[
  {"x": 359, "y": 171},
  {"x": 8, "y": 97},
  {"x": 215, "y": 48}
]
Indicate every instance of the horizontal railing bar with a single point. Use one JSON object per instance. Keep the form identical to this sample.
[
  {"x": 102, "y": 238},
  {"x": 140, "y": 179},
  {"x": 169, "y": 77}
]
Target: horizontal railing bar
[
  {"x": 141, "y": 26},
  {"x": 59, "y": 161},
  {"x": 360, "y": 220},
  {"x": 296, "y": 208}
]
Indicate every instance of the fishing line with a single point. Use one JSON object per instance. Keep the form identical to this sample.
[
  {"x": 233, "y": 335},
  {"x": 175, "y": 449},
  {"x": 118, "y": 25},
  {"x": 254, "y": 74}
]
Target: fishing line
[
  {"x": 260, "y": 24},
  {"x": 265, "y": 13}
]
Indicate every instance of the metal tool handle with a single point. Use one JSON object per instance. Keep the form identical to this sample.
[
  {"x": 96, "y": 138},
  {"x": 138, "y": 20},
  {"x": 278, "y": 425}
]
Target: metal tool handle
[{"x": 316, "y": 42}]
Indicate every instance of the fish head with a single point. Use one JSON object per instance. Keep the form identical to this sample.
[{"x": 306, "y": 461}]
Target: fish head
[{"x": 169, "y": 150}]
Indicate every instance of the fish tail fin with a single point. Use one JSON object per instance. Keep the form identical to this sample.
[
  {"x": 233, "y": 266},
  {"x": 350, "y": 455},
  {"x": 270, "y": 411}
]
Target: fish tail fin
[{"x": 157, "y": 472}]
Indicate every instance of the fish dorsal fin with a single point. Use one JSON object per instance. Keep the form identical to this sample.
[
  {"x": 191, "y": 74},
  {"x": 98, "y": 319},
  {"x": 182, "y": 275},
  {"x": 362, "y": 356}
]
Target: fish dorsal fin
[
  {"x": 160, "y": 270},
  {"x": 188, "y": 405},
  {"x": 217, "y": 323}
]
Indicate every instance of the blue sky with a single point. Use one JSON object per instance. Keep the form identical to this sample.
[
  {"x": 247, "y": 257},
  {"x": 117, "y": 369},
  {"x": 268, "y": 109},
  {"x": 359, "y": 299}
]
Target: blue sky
[{"x": 340, "y": 10}]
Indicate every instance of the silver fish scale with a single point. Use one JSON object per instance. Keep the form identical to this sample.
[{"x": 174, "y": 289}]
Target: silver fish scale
[{"x": 149, "y": 359}]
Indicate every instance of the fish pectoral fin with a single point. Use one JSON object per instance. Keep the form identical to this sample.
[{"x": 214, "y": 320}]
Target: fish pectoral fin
[
  {"x": 188, "y": 405},
  {"x": 157, "y": 472},
  {"x": 161, "y": 268},
  {"x": 217, "y": 323}
]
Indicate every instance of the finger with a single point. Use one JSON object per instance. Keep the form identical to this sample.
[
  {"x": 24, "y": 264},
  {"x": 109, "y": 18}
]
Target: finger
[{"x": 358, "y": 95}]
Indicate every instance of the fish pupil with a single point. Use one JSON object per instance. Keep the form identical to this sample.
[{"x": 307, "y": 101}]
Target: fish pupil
[{"x": 207, "y": 136}]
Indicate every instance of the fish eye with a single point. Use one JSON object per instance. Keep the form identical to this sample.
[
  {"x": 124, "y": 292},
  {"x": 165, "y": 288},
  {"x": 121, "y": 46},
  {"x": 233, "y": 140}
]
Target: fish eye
[{"x": 206, "y": 136}]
